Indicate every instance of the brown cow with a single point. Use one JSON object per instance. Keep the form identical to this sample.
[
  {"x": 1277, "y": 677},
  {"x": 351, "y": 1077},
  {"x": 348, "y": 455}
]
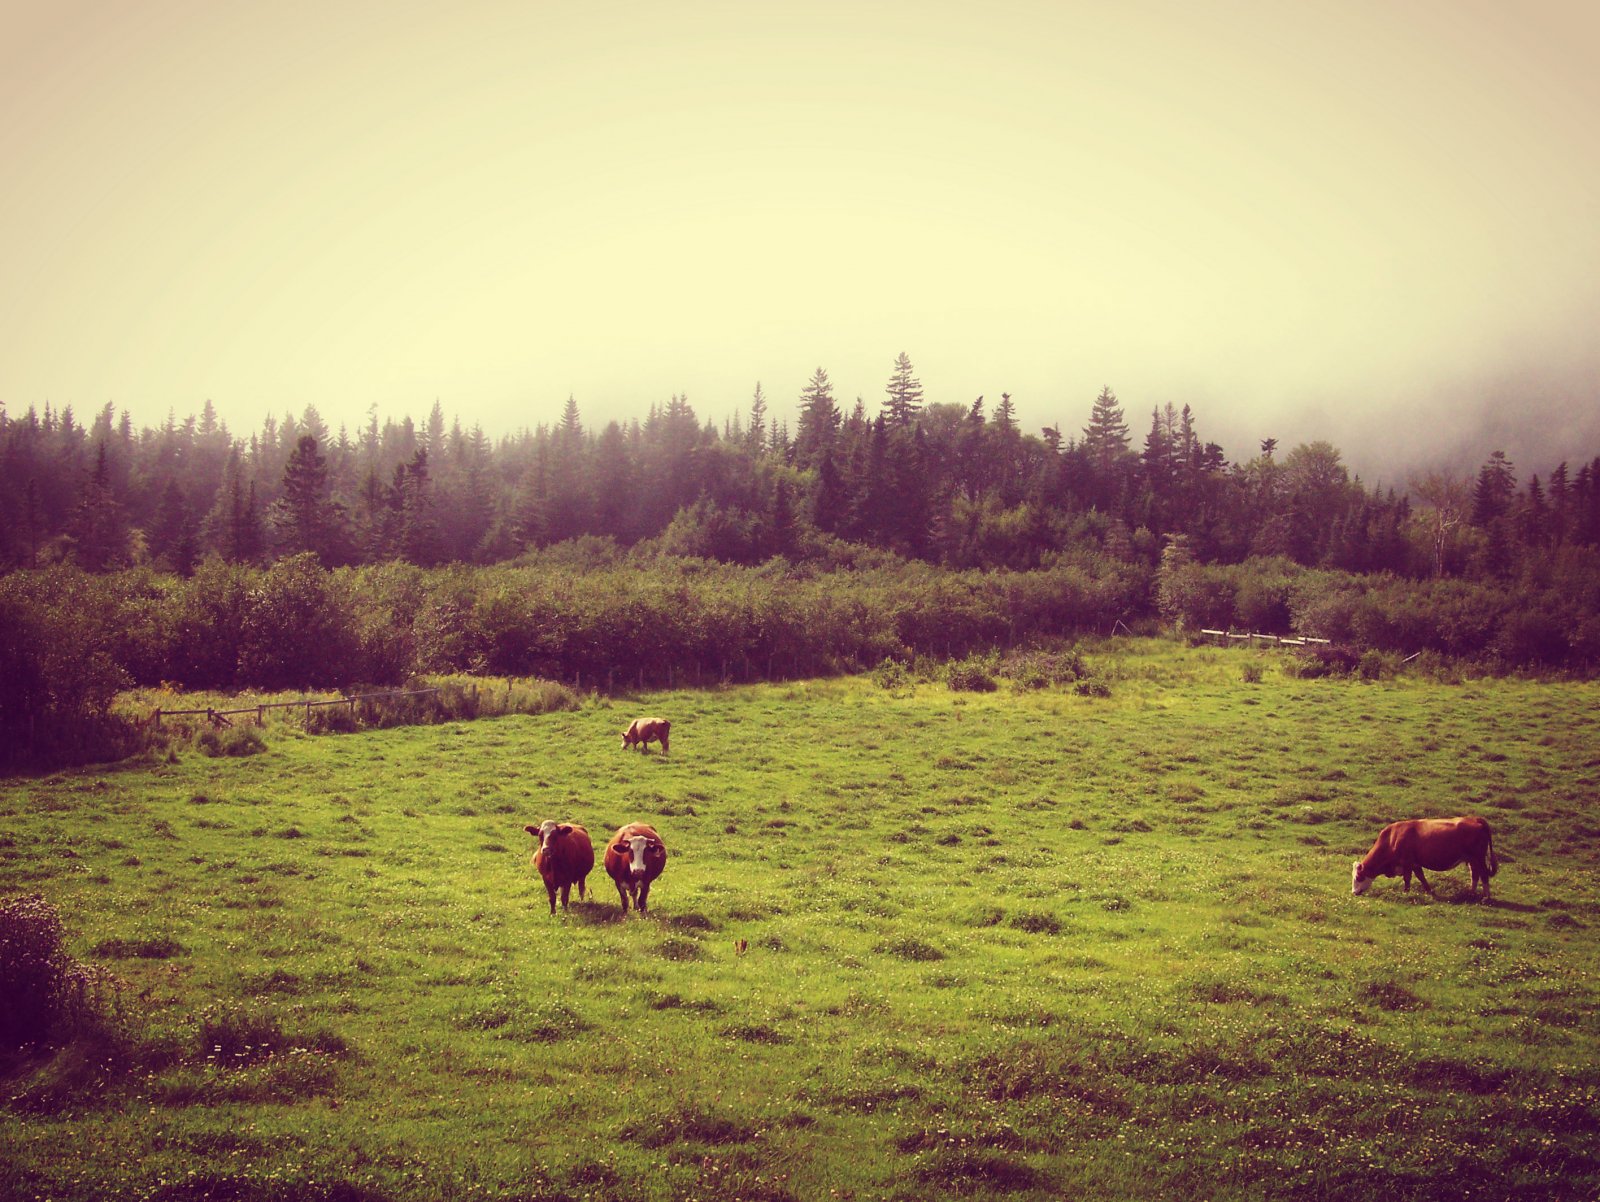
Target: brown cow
[
  {"x": 643, "y": 730},
  {"x": 1437, "y": 844},
  {"x": 564, "y": 858},
  {"x": 634, "y": 858}
]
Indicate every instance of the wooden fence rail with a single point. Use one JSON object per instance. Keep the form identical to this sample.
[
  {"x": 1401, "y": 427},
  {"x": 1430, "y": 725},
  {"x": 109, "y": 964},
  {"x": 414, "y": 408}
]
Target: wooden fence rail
[
  {"x": 224, "y": 717},
  {"x": 1283, "y": 640}
]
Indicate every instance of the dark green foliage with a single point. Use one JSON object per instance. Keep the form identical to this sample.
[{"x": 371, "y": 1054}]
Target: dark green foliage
[
  {"x": 44, "y": 993},
  {"x": 972, "y": 675},
  {"x": 233, "y": 740}
]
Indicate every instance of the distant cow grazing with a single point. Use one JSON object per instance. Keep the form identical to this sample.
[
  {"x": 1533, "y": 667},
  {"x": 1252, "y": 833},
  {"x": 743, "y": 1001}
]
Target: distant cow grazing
[
  {"x": 1437, "y": 844},
  {"x": 564, "y": 858},
  {"x": 642, "y": 731},
  {"x": 634, "y": 858}
]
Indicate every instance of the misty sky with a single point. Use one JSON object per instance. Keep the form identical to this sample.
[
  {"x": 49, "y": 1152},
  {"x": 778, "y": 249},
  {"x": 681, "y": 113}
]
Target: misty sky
[{"x": 1375, "y": 223}]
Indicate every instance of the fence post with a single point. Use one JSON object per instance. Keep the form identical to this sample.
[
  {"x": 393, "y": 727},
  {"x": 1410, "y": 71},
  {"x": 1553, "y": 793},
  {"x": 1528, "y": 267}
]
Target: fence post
[
  {"x": 261, "y": 715},
  {"x": 157, "y": 717}
]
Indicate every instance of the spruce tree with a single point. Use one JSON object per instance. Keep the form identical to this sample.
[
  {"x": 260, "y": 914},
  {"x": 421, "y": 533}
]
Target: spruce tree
[{"x": 905, "y": 394}]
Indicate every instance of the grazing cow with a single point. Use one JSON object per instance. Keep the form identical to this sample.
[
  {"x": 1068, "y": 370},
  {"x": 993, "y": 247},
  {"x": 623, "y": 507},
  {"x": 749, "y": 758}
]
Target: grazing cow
[
  {"x": 634, "y": 858},
  {"x": 642, "y": 730},
  {"x": 1437, "y": 844},
  {"x": 564, "y": 858}
]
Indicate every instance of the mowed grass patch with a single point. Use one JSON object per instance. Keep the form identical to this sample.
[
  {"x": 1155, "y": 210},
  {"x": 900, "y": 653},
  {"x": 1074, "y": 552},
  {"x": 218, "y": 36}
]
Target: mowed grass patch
[{"x": 911, "y": 945}]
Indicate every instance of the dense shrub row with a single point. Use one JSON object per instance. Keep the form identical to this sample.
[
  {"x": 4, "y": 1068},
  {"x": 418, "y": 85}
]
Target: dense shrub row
[
  {"x": 78, "y": 638},
  {"x": 1542, "y": 620},
  {"x": 591, "y": 617}
]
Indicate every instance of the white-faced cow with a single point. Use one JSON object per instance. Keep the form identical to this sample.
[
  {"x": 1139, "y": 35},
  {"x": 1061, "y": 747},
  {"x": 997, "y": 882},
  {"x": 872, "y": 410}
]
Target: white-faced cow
[
  {"x": 642, "y": 731},
  {"x": 564, "y": 858},
  {"x": 634, "y": 858},
  {"x": 1404, "y": 849}
]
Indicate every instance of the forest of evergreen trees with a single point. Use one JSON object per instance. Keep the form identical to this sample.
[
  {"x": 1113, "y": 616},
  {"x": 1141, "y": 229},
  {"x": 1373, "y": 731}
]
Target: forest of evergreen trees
[
  {"x": 670, "y": 550},
  {"x": 957, "y": 486}
]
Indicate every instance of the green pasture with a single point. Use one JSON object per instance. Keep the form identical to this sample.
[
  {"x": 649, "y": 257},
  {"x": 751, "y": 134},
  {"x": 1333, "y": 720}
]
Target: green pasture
[{"x": 1019, "y": 944}]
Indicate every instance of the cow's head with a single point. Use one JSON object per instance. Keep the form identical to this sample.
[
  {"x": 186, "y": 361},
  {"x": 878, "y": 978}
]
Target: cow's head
[
  {"x": 547, "y": 830},
  {"x": 636, "y": 848},
  {"x": 1360, "y": 882},
  {"x": 627, "y": 737}
]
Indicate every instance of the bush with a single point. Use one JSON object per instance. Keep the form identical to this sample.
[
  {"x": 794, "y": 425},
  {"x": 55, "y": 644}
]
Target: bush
[
  {"x": 1252, "y": 672},
  {"x": 970, "y": 676},
  {"x": 892, "y": 675},
  {"x": 1042, "y": 669},
  {"x": 1316, "y": 662},
  {"x": 44, "y": 992},
  {"x": 1378, "y": 665},
  {"x": 231, "y": 741}
]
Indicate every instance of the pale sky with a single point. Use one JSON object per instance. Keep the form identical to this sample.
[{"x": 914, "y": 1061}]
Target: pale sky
[{"x": 1308, "y": 220}]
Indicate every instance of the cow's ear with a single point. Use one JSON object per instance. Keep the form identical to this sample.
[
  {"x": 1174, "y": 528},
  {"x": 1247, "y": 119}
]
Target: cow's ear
[
  {"x": 532, "y": 830},
  {"x": 563, "y": 829}
]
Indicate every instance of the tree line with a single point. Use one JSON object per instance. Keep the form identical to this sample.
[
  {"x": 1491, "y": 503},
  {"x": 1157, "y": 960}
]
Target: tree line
[{"x": 960, "y": 486}]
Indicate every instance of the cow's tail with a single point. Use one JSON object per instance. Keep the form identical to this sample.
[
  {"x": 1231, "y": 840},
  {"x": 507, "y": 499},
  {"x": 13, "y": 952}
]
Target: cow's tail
[{"x": 1492, "y": 859}]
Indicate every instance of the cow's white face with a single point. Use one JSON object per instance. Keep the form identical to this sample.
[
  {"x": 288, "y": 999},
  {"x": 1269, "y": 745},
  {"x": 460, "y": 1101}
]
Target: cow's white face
[
  {"x": 1359, "y": 882},
  {"x": 548, "y": 829},
  {"x": 636, "y": 846}
]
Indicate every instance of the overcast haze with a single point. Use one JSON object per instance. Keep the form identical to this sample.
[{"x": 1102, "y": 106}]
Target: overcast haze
[{"x": 1374, "y": 223}]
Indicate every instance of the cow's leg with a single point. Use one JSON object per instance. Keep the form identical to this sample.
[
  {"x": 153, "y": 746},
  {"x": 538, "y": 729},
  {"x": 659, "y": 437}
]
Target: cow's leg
[
  {"x": 1422, "y": 880},
  {"x": 551, "y": 890},
  {"x": 644, "y": 896},
  {"x": 622, "y": 894},
  {"x": 566, "y": 895}
]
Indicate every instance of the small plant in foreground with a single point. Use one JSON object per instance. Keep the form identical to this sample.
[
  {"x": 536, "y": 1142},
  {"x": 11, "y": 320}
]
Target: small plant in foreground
[{"x": 44, "y": 992}]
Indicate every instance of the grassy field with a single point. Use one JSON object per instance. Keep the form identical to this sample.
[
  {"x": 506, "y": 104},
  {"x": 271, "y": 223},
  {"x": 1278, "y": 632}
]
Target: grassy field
[{"x": 1030, "y": 945}]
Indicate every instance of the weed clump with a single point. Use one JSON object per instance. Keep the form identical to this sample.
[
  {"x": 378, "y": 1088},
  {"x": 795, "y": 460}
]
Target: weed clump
[
  {"x": 910, "y": 949},
  {"x": 231, "y": 741},
  {"x": 159, "y": 948},
  {"x": 1038, "y": 669}
]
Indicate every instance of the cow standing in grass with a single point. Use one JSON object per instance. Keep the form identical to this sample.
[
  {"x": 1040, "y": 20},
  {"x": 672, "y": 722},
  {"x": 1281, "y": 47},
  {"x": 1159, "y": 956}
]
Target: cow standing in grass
[
  {"x": 1405, "y": 848},
  {"x": 635, "y": 856},
  {"x": 642, "y": 731},
  {"x": 564, "y": 858}
]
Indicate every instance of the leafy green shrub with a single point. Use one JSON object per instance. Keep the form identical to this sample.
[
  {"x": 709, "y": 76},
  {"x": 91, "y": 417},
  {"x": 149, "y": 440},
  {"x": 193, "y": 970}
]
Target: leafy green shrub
[
  {"x": 1251, "y": 673},
  {"x": 231, "y": 741},
  {"x": 1042, "y": 669},
  {"x": 1093, "y": 685},
  {"x": 892, "y": 675},
  {"x": 44, "y": 992},
  {"x": 1316, "y": 662},
  {"x": 332, "y": 720},
  {"x": 1377, "y": 665},
  {"x": 971, "y": 675}
]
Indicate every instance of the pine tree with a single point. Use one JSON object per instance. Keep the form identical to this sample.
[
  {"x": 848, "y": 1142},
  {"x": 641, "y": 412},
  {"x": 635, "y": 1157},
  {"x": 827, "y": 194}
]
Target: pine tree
[
  {"x": 305, "y": 516},
  {"x": 905, "y": 394},
  {"x": 818, "y": 422},
  {"x": 1496, "y": 487},
  {"x": 1105, "y": 447},
  {"x": 756, "y": 435},
  {"x": 99, "y": 525}
]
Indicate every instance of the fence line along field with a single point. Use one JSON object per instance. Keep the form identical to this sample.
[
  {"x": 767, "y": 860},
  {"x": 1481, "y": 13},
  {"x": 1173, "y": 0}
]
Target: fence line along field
[{"x": 910, "y": 943}]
